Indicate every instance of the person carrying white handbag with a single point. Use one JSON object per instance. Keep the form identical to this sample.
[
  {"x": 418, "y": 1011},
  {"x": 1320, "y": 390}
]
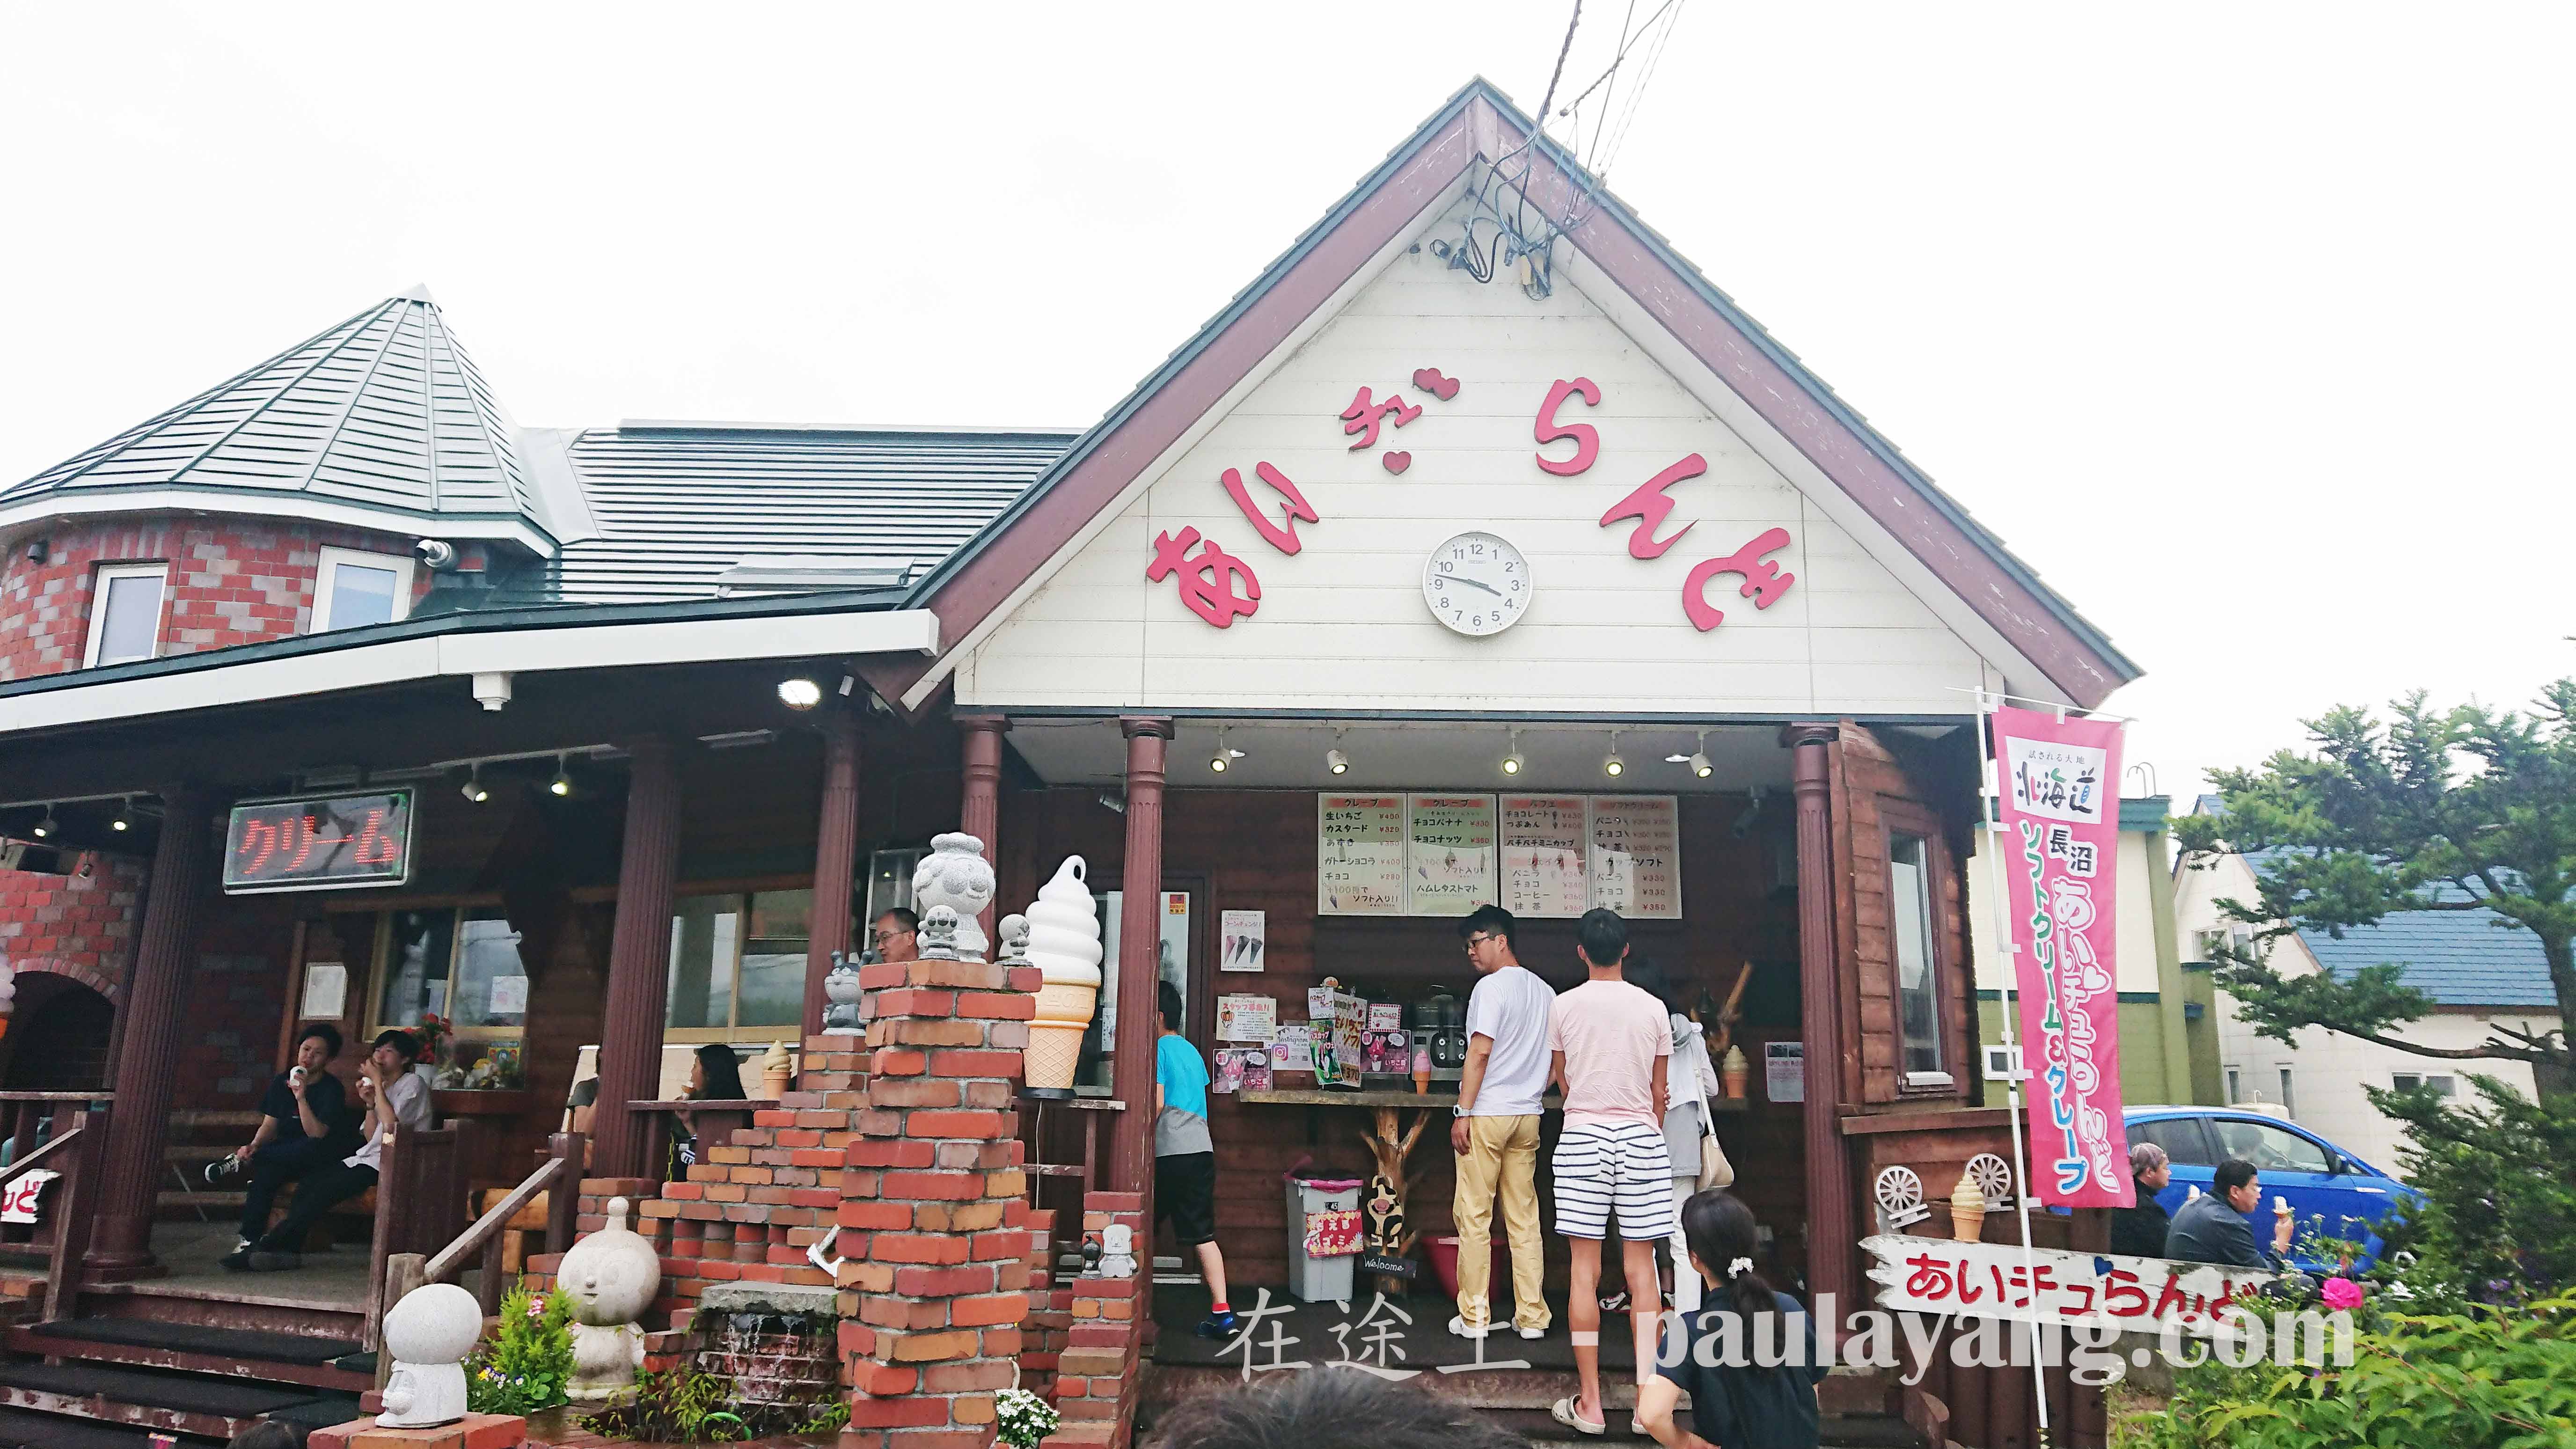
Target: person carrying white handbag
[{"x": 1690, "y": 1134}]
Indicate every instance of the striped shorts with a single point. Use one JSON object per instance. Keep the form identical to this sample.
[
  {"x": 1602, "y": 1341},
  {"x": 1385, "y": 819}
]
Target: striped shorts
[{"x": 1625, "y": 1165}]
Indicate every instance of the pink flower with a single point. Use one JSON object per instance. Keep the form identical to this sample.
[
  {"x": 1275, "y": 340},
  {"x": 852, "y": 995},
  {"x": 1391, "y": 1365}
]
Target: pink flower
[{"x": 2342, "y": 1294}]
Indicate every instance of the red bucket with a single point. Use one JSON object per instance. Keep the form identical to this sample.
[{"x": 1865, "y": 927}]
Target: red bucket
[{"x": 1444, "y": 1264}]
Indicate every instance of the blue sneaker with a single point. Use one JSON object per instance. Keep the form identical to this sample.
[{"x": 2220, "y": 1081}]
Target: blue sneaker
[{"x": 1225, "y": 1323}]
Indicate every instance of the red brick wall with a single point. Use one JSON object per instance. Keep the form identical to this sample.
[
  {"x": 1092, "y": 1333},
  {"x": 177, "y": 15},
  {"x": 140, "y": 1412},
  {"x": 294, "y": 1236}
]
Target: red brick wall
[
  {"x": 79, "y": 925},
  {"x": 232, "y": 581}
]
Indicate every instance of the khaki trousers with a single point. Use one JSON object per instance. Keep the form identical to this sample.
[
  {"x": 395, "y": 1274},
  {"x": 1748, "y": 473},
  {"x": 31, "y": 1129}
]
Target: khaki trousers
[{"x": 1502, "y": 1154}]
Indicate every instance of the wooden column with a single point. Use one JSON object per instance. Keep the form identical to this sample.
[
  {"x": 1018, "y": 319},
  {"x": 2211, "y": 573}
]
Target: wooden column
[
  {"x": 836, "y": 855},
  {"x": 979, "y": 813},
  {"x": 1830, "y": 1237},
  {"x": 639, "y": 962},
  {"x": 1140, "y": 937},
  {"x": 147, "y": 1069}
]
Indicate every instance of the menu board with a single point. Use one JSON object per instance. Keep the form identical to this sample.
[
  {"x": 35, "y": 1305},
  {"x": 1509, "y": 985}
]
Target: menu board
[
  {"x": 1636, "y": 855},
  {"x": 1359, "y": 855},
  {"x": 1543, "y": 844},
  {"x": 1448, "y": 854}
]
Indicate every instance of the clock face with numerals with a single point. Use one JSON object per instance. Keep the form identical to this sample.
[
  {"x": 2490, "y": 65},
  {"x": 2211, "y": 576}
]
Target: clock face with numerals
[{"x": 1476, "y": 584}]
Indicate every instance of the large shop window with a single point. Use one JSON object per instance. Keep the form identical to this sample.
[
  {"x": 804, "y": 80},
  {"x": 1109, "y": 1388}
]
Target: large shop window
[
  {"x": 353, "y": 588},
  {"x": 458, "y": 962},
  {"x": 1918, "y": 995},
  {"x": 125, "y": 613},
  {"x": 738, "y": 966}
]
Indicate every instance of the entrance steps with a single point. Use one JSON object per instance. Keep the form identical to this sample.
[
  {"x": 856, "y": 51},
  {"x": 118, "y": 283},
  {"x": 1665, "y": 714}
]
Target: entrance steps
[{"x": 112, "y": 1381}]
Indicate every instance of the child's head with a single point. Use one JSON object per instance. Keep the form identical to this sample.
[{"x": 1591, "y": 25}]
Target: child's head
[
  {"x": 1724, "y": 1245},
  {"x": 1167, "y": 999},
  {"x": 267, "y": 1434}
]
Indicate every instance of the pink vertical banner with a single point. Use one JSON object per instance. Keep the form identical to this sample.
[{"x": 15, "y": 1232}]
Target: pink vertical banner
[{"x": 2061, "y": 851}]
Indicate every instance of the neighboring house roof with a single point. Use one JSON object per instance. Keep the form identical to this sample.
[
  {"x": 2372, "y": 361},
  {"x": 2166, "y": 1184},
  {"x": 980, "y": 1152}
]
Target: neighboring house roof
[
  {"x": 2456, "y": 958},
  {"x": 981, "y": 577},
  {"x": 675, "y": 508},
  {"x": 381, "y": 419}
]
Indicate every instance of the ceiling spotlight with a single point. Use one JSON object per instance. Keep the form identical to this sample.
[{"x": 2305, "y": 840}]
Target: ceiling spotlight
[
  {"x": 561, "y": 785},
  {"x": 1698, "y": 760},
  {"x": 799, "y": 693},
  {"x": 45, "y": 827},
  {"x": 1225, "y": 755},
  {"x": 1512, "y": 760},
  {"x": 1335, "y": 759},
  {"x": 124, "y": 816},
  {"x": 474, "y": 789},
  {"x": 1611, "y": 764}
]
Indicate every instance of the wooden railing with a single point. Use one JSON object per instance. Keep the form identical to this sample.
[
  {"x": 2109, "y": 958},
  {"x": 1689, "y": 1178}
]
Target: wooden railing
[
  {"x": 1047, "y": 1124},
  {"x": 558, "y": 1179},
  {"x": 75, "y": 1134}
]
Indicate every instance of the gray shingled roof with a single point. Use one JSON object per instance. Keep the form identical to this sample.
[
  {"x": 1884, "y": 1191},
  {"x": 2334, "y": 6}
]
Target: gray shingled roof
[
  {"x": 673, "y": 506},
  {"x": 383, "y": 412},
  {"x": 2458, "y": 958}
]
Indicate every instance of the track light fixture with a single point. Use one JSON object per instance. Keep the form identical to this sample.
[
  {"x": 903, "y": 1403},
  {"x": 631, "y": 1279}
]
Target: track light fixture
[
  {"x": 124, "y": 820},
  {"x": 561, "y": 785},
  {"x": 799, "y": 693},
  {"x": 475, "y": 790},
  {"x": 1699, "y": 764},
  {"x": 45, "y": 827},
  {"x": 1512, "y": 760},
  {"x": 1611, "y": 764},
  {"x": 1335, "y": 759},
  {"x": 1225, "y": 755}
]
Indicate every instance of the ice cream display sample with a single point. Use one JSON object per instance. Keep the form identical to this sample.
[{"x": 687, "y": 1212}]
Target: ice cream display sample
[{"x": 1064, "y": 944}]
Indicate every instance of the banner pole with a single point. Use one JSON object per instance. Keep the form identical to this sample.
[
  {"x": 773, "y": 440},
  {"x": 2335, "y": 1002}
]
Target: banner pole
[{"x": 1991, "y": 806}]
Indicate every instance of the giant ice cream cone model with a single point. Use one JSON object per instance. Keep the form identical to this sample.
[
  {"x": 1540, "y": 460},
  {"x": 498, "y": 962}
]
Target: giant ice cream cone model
[{"x": 1064, "y": 944}]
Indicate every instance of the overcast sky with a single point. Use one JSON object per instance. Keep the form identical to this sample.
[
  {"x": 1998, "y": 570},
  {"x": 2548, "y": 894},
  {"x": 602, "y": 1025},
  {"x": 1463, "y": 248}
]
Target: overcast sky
[{"x": 2248, "y": 327}]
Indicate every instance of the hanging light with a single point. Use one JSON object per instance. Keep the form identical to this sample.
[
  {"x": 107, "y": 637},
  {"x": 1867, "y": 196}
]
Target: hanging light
[
  {"x": 475, "y": 790},
  {"x": 1611, "y": 764},
  {"x": 1225, "y": 755},
  {"x": 561, "y": 785},
  {"x": 1335, "y": 759},
  {"x": 45, "y": 827},
  {"x": 1512, "y": 760},
  {"x": 799, "y": 693},
  {"x": 1698, "y": 761},
  {"x": 124, "y": 815}
]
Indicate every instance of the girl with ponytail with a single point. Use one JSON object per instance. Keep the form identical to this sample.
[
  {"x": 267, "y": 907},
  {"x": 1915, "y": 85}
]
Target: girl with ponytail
[{"x": 1717, "y": 1354}]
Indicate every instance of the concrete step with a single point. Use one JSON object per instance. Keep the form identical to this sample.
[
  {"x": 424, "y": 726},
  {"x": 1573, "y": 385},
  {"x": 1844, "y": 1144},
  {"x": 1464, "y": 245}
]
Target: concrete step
[
  {"x": 158, "y": 1399},
  {"x": 253, "y": 1355}
]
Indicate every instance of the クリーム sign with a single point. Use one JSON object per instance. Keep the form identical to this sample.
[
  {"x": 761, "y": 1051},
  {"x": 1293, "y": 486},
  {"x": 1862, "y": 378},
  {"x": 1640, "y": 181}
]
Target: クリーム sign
[{"x": 329, "y": 843}]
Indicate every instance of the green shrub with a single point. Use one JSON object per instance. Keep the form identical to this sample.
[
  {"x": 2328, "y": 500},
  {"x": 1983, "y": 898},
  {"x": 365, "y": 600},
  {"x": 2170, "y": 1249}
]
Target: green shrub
[
  {"x": 528, "y": 1362},
  {"x": 2498, "y": 1220},
  {"x": 2487, "y": 1378}
]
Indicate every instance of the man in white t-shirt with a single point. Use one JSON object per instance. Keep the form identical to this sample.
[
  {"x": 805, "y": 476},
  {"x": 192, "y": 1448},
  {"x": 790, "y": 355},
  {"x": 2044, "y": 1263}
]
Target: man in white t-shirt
[
  {"x": 391, "y": 1093},
  {"x": 1495, "y": 1133}
]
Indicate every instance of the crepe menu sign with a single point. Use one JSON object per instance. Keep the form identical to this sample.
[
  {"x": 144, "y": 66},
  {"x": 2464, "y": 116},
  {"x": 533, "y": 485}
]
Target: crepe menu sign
[
  {"x": 1448, "y": 854},
  {"x": 1543, "y": 844},
  {"x": 1636, "y": 855},
  {"x": 1359, "y": 855}
]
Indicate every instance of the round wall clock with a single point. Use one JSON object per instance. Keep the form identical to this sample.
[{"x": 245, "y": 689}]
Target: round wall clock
[{"x": 1476, "y": 584}]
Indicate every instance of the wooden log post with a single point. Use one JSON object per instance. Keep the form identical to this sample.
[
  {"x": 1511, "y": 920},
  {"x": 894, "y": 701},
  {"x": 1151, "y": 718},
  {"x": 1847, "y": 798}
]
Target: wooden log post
[
  {"x": 1831, "y": 1242},
  {"x": 1140, "y": 939},
  {"x": 639, "y": 963},
  {"x": 836, "y": 855}
]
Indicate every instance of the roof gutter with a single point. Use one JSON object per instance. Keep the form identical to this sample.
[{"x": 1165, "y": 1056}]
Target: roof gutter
[
  {"x": 269, "y": 506},
  {"x": 461, "y": 645}
]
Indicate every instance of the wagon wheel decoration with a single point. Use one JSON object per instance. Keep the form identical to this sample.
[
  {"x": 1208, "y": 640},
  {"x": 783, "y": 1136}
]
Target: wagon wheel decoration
[
  {"x": 1900, "y": 1197},
  {"x": 1993, "y": 1177}
]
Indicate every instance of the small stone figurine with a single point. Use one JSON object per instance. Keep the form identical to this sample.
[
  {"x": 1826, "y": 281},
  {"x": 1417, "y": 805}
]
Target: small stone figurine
[
  {"x": 1015, "y": 941},
  {"x": 429, "y": 1333},
  {"x": 942, "y": 935},
  {"x": 1117, "y": 1251},
  {"x": 612, "y": 1276},
  {"x": 841, "y": 990}
]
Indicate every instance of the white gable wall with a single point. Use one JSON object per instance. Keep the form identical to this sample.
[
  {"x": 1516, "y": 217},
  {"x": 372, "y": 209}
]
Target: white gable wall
[{"x": 1341, "y": 625}]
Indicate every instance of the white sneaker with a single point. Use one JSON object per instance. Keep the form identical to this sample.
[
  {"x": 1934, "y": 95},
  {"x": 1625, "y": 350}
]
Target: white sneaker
[
  {"x": 1533, "y": 1333},
  {"x": 1458, "y": 1326}
]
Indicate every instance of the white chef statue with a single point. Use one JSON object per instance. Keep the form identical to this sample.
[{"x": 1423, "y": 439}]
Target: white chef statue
[{"x": 429, "y": 1333}]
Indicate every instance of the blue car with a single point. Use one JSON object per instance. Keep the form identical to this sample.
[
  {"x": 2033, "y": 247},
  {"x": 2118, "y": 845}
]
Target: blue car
[{"x": 2334, "y": 1193}]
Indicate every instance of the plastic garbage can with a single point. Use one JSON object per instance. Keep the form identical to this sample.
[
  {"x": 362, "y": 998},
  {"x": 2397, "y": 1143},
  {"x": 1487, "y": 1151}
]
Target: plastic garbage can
[{"x": 1319, "y": 1280}]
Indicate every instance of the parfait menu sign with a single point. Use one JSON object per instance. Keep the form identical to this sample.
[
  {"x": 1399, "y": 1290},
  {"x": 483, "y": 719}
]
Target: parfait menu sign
[
  {"x": 1449, "y": 854},
  {"x": 1637, "y": 855},
  {"x": 1544, "y": 872},
  {"x": 1359, "y": 855}
]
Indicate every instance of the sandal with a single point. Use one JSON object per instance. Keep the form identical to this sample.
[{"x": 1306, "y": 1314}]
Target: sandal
[{"x": 1562, "y": 1411}]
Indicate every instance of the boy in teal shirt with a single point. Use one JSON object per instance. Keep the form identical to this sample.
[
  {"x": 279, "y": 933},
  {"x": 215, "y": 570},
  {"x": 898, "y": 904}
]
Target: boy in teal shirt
[{"x": 1185, "y": 1157}]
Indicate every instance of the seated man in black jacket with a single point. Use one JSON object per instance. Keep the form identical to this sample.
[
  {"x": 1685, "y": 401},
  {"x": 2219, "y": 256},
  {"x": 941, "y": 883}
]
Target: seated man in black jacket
[
  {"x": 2140, "y": 1231},
  {"x": 305, "y": 1123},
  {"x": 2212, "y": 1228}
]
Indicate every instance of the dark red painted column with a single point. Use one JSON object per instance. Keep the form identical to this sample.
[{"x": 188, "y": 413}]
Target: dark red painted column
[
  {"x": 1140, "y": 938},
  {"x": 836, "y": 855},
  {"x": 1830, "y": 1238},
  {"x": 979, "y": 813},
  {"x": 639, "y": 961},
  {"x": 147, "y": 1068}
]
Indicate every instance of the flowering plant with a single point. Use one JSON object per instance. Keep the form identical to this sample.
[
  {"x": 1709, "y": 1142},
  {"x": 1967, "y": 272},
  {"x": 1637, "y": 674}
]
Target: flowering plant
[
  {"x": 1023, "y": 1418},
  {"x": 2341, "y": 1294},
  {"x": 528, "y": 1361},
  {"x": 432, "y": 1030}
]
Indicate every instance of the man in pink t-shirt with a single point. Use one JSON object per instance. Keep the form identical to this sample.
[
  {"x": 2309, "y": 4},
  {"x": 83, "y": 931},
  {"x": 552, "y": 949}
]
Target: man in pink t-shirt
[{"x": 1604, "y": 1037}]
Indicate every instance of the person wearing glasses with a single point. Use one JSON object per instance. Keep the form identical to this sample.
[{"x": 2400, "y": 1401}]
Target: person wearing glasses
[
  {"x": 897, "y": 935},
  {"x": 1495, "y": 1133}
]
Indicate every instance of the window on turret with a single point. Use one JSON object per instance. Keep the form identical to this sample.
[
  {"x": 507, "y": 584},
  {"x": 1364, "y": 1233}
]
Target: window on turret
[
  {"x": 353, "y": 588},
  {"x": 125, "y": 613}
]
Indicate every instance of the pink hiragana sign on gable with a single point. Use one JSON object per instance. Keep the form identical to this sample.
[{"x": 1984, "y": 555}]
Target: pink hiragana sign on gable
[{"x": 2061, "y": 840}]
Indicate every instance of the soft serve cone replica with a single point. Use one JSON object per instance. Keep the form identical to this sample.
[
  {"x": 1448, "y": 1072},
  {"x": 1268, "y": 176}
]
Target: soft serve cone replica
[{"x": 1064, "y": 944}]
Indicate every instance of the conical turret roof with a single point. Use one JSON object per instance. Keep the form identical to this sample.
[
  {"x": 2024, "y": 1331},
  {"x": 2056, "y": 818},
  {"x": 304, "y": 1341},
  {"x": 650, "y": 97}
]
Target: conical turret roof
[{"x": 382, "y": 415}]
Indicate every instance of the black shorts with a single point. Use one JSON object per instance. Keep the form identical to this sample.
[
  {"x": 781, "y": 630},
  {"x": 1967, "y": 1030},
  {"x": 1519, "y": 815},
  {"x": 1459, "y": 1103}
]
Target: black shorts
[{"x": 1185, "y": 1192}]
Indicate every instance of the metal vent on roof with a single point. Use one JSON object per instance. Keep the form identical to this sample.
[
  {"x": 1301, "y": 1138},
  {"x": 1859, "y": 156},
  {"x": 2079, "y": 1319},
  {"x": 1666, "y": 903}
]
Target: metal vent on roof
[{"x": 783, "y": 572}]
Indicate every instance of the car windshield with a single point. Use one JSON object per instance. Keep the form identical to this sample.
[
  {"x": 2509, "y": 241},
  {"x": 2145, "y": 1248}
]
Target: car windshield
[{"x": 2273, "y": 1149}]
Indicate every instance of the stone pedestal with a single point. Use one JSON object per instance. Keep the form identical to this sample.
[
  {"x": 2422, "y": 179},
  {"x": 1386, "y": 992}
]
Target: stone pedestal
[{"x": 474, "y": 1431}]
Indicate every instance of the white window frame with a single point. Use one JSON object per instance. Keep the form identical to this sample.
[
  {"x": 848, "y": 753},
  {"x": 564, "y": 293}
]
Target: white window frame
[
  {"x": 98, "y": 598},
  {"x": 326, "y": 580},
  {"x": 2235, "y": 1085}
]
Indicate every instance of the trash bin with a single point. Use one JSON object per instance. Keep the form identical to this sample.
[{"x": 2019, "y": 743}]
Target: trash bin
[{"x": 1324, "y": 1276}]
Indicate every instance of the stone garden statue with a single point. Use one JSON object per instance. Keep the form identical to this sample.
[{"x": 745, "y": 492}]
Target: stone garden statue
[
  {"x": 956, "y": 875},
  {"x": 429, "y": 1333},
  {"x": 612, "y": 1277}
]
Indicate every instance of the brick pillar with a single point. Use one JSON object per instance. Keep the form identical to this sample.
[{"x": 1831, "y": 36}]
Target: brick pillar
[
  {"x": 639, "y": 962},
  {"x": 1140, "y": 937},
  {"x": 152, "y": 1013},
  {"x": 933, "y": 1231},
  {"x": 1095, "y": 1382},
  {"x": 1830, "y": 1237},
  {"x": 979, "y": 812},
  {"x": 836, "y": 855}
]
